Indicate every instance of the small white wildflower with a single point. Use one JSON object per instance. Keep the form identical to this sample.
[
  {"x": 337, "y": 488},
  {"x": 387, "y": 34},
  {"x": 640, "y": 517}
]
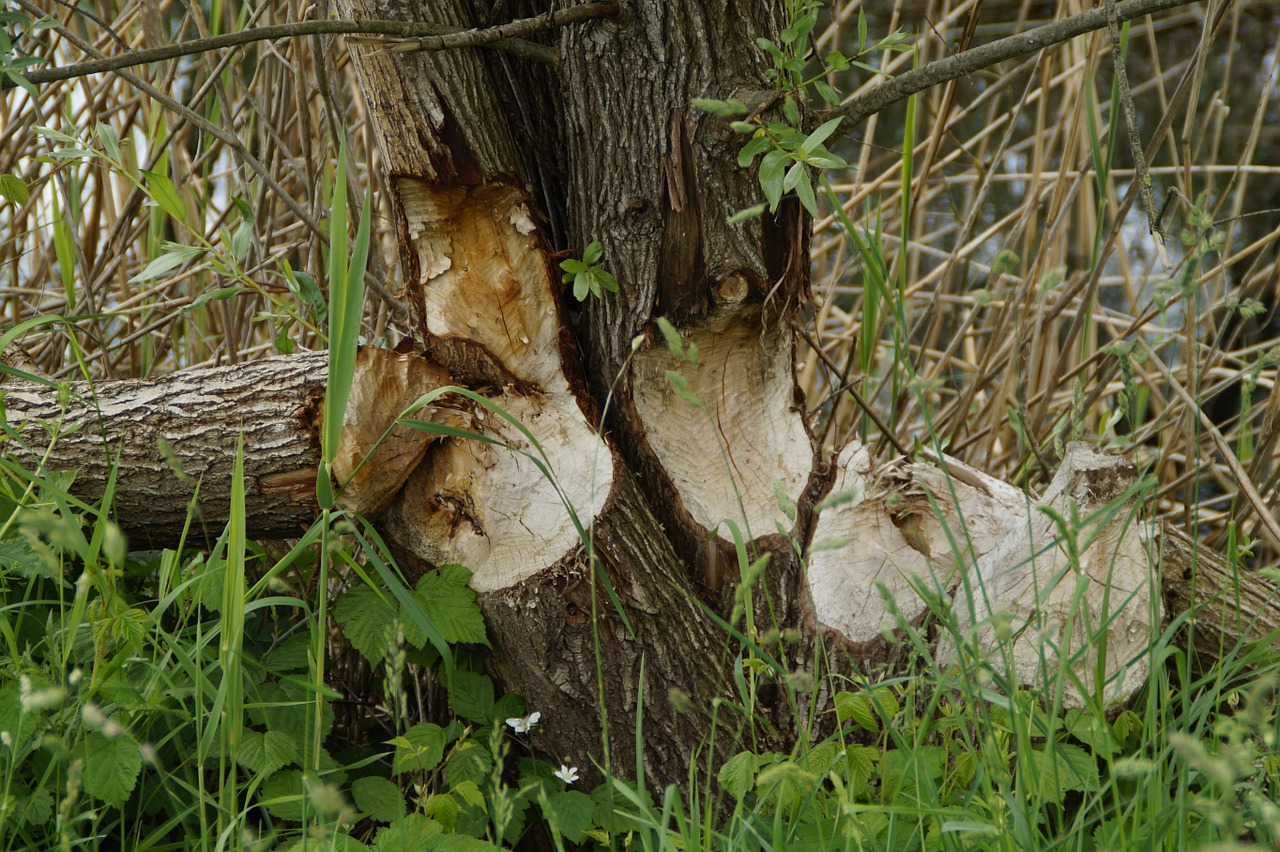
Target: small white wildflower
[
  {"x": 6, "y": 739},
  {"x": 74, "y": 677},
  {"x": 521, "y": 724},
  {"x": 567, "y": 774}
]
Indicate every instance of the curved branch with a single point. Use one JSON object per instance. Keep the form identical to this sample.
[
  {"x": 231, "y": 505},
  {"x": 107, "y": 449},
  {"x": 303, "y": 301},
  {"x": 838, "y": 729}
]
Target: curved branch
[{"x": 904, "y": 85}]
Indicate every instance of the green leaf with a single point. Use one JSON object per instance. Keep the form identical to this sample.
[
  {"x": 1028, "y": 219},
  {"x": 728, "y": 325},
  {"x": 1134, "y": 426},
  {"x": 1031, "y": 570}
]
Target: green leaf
[
  {"x": 13, "y": 188},
  {"x": 772, "y": 172},
  {"x": 163, "y": 192},
  {"x": 593, "y": 253},
  {"x": 724, "y": 109},
  {"x": 364, "y": 615},
  {"x": 471, "y": 696},
  {"x": 858, "y": 708},
  {"x": 419, "y": 750},
  {"x": 752, "y": 212},
  {"x": 110, "y": 141},
  {"x": 111, "y": 767},
  {"x": 738, "y": 775},
  {"x": 219, "y": 295},
  {"x": 752, "y": 149},
  {"x": 173, "y": 256},
  {"x": 267, "y": 753},
  {"x": 821, "y": 135},
  {"x": 861, "y": 761},
  {"x": 570, "y": 813},
  {"x": 379, "y": 798},
  {"x": 828, "y": 94},
  {"x": 469, "y": 764},
  {"x": 451, "y": 605},
  {"x": 414, "y": 833},
  {"x": 283, "y": 796}
]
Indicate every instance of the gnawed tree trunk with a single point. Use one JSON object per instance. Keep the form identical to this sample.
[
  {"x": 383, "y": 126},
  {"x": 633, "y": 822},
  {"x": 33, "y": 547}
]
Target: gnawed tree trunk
[{"x": 493, "y": 166}]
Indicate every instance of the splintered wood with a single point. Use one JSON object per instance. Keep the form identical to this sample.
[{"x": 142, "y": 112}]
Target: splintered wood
[{"x": 1061, "y": 583}]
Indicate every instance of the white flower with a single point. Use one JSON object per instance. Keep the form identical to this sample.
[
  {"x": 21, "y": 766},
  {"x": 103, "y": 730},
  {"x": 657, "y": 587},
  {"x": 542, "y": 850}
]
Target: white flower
[
  {"x": 567, "y": 774},
  {"x": 521, "y": 724}
]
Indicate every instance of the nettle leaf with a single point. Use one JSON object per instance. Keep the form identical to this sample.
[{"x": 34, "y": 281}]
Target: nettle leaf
[
  {"x": 111, "y": 767},
  {"x": 379, "y": 798},
  {"x": 364, "y": 615},
  {"x": 471, "y": 696},
  {"x": 451, "y": 606},
  {"x": 570, "y": 812},
  {"x": 419, "y": 750},
  {"x": 444, "y": 809},
  {"x": 266, "y": 753}
]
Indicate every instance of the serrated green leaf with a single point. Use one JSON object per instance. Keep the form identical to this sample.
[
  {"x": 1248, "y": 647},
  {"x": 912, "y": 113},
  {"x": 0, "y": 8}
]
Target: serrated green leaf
[
  {"x": 738, "y": 775},
  {"x": 267, "y": 753},
  {"x": 420, "y": 748},
  {"x": 858, "y": 708},
  {"x": 282, "y": 794},
  {"x": 379, "y": 798},
  {"x": 13, "y": 188},
  {"x": 451, "y": 606},
  {"x": 569, "y": 812},
  {"x": 444, "y": 809},
  {"x": 471, "y": 696},
  {"x": 111, "y": 767},
  {"x": 470, "y": 793},
  {"x": 862, "y": 761},
  {"x": 414, "y": 833},
  {"x": 165, "y": 194},
  {"x": 469, "y": 764},
  {"x": 364, "y": 615}
]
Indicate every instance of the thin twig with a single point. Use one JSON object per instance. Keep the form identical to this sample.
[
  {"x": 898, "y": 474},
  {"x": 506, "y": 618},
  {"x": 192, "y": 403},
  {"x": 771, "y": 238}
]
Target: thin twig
[
  {"x": 423, "y": 37},
  {"x": 899, "y": 88},
  {"x": 551, "y": 20},
  {"x": 1135, "y": 143}
]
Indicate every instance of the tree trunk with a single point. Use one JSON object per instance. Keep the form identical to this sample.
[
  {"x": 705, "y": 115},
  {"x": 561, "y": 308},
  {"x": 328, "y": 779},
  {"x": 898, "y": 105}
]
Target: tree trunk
[{"x": 609, "y": 536}]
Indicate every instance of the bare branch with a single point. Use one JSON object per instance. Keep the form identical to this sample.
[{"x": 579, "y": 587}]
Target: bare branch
[
  {"x": 860, "y": 108},
  {"x": 416, "y": 36}
]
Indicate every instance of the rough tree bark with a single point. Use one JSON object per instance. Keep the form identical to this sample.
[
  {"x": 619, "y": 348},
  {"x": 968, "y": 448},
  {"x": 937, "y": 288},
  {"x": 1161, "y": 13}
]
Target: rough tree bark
[{"x": 494, "y": 166}]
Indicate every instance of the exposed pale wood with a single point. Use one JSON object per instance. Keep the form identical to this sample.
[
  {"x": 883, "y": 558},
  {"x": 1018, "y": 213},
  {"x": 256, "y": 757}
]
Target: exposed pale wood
[
  {"x": 375, "y": 454},
  {"x": 1080, "y": 597},
  {"x": 908, "y": 526}
]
